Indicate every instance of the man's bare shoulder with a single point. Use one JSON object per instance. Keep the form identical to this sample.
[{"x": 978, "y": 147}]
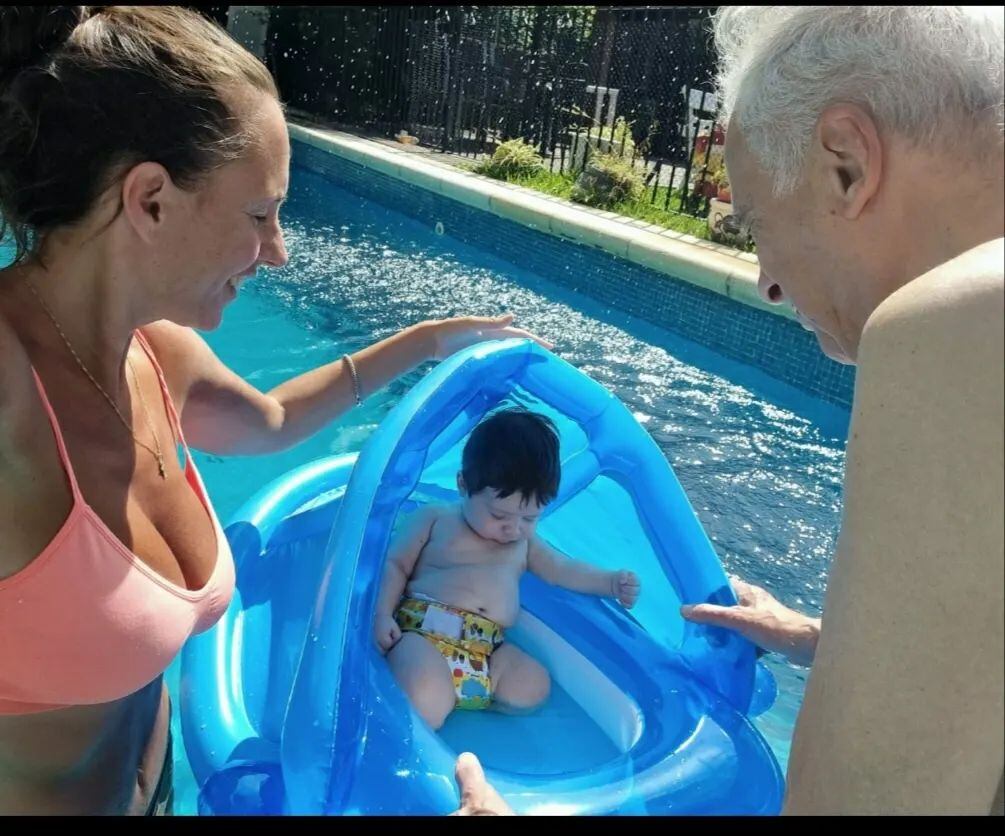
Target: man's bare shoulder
[
  {"x": 942, "y": 333},
  {"x": 967, "y": 290}
]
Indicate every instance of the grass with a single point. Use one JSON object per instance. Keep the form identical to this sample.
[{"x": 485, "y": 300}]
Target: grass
[
  {"x": 559, "y": 185},
  {"x": 646, "y": 209}
]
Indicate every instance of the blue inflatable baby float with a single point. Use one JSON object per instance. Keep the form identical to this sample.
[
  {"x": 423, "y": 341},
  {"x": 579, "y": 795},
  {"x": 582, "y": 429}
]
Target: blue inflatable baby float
[{"x": 288, "y": 707}]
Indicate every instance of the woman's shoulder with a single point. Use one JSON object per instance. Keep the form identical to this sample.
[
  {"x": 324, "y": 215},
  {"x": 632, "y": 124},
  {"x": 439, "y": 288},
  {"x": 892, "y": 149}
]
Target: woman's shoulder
[{"x": 180, "y": 352}]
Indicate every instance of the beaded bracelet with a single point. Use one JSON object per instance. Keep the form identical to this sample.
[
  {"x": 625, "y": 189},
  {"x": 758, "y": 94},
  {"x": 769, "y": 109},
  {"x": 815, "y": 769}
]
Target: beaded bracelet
[{"x": 355, "y": 378}]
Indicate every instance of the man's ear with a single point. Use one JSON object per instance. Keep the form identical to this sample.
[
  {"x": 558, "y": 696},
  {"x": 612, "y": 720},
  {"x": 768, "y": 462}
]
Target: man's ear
[{"x": 851, "y": 154}]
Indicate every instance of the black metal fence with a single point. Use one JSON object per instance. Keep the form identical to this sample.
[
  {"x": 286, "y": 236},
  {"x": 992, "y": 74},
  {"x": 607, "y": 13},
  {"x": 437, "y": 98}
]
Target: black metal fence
[{"x": 634, "y": 81}]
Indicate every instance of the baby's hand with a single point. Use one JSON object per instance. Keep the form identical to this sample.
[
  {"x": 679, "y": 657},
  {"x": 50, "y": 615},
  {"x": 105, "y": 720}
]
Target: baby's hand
[
  {"x": 625, "y": 587},
  {"x": 386, "y": 632}
]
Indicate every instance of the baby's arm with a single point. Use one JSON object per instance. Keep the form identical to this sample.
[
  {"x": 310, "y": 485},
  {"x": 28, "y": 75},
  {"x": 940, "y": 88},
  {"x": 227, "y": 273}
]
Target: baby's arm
[
  {"x": 402, "y": 554},
  {"x": 555, "y": 568}
]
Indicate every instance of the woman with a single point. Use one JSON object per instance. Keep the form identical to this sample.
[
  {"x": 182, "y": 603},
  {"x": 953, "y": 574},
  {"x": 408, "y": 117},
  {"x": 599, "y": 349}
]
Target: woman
[{"x": 143, "y": 160}]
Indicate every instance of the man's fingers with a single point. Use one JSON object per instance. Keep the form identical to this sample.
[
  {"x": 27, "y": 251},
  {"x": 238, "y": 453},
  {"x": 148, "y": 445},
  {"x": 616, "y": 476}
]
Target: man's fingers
[{"x": 714, "y": 615}]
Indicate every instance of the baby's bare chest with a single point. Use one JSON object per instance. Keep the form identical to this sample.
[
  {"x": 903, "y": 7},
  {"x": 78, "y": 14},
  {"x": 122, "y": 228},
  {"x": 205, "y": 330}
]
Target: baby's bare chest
[{"x": 453, "y": 546}]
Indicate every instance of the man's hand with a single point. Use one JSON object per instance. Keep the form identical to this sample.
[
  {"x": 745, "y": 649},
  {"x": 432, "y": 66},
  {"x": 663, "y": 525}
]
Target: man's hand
[{"x": 761, "y": 619}]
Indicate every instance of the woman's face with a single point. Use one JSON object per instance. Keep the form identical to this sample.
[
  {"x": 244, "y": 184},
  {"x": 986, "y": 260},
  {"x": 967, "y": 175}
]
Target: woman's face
[{"x": 229, "y": 227}]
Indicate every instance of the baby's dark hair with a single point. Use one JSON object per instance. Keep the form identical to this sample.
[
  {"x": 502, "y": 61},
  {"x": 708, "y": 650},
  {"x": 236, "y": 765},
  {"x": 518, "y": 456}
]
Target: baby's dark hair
[{"x": 513, "y": 450}]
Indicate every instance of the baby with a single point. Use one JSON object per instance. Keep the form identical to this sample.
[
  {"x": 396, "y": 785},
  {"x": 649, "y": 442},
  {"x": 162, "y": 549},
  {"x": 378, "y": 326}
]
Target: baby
[{"x": 459, "y": 567}]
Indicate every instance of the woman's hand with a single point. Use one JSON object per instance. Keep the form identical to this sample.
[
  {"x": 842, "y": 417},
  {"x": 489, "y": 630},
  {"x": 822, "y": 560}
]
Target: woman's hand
[
  {"x": 478, "y": 796},
  {"x": 451, "y": 335}
]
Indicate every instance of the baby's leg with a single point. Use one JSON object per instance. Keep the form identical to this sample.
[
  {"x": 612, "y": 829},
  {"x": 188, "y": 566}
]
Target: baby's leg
[
  {"x": 423, "y": 674},
  {"x": 518, "y": 682}
]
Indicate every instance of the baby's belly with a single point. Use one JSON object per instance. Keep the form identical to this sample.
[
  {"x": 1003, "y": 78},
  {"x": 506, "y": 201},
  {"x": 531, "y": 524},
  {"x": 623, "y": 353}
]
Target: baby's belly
[{"x": 485, "y": 593}]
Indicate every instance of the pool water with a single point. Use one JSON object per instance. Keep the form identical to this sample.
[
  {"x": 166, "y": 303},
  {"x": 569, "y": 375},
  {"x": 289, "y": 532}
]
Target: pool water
[{"x": 761, "y": 461}]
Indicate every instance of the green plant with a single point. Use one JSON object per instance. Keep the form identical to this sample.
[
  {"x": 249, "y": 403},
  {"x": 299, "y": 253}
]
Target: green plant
[
  {"x": 721, "y": 181},
  {"x": 606, "y": 180},
  {"x": 654, "y": 208},
  {"x": 513, "y": 158}
]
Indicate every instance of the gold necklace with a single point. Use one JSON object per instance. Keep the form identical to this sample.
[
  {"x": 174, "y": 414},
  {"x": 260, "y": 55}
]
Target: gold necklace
[{"x": 143, "y": 404}]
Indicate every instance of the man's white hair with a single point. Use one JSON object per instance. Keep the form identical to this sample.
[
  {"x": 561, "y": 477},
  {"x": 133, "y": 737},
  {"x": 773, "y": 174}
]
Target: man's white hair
[{"x": 930, "y": 74}]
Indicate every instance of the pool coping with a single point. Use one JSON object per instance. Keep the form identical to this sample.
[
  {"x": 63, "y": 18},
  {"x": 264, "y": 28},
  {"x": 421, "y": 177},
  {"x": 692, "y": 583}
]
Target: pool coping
[{"x": 706, "y": 264}]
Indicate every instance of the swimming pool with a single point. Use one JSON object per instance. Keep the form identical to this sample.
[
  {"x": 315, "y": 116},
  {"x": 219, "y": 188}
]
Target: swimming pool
[{"x": 761, "y": 461}]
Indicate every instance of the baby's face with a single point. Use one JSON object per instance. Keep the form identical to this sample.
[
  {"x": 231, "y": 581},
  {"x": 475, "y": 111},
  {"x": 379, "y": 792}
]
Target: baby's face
[{"x": 504, "y": 520}]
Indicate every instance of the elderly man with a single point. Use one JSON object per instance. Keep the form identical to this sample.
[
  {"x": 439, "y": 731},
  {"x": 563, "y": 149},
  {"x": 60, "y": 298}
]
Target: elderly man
[{"x": 865, "y": 154}]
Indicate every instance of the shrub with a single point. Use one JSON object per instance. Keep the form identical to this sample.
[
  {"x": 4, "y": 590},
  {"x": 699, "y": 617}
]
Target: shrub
[
  {"x": 512, "y": 158},
  {"x": 606, "y": 181}
]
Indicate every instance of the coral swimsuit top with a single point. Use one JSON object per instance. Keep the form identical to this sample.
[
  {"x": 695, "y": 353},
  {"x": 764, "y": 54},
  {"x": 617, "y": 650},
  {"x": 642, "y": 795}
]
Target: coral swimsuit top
[{"x": 87, "y": 621}]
